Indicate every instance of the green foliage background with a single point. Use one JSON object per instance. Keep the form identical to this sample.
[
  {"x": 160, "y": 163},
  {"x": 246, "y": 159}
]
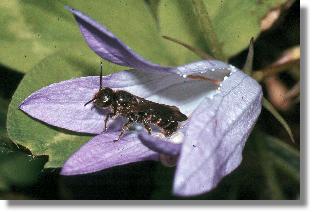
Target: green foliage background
[{"x": 41, "y": 43}]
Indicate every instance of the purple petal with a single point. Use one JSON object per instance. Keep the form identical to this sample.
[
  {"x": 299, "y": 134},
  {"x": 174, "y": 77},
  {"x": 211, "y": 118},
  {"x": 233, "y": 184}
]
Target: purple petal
[
  {"x": 160, "y": 145},
  {"x": 173, "y": 89},
  {"x": 216, "y": 134},
  {"x": 212, "y": 69},
  {"x": 102, "y": 153},
  {"x": 109, "y": 47},
  {"x": 62, "y": 104}
]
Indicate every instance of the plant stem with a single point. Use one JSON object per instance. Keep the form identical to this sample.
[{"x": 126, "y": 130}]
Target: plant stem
[
  {"x": 267, "y": 105},
  {"x": 261, "y": 74},
  {"x": 195, "y": 50},
  {"x": 249, "y": 60}
]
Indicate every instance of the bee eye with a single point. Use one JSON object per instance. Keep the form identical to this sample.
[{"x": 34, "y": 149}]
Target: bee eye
[{"x": 105, "y": 99}]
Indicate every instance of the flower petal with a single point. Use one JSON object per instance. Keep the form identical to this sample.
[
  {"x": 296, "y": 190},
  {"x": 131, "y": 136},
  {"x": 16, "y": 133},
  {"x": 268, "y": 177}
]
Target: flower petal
[
  {"x": 216, "y": 134},
  {"x": 62, "y": 104},
  {"x": 174, "y": 89},
  {"x": 102, "y": 153},
  {"x": 160, "y": 145},
  {"x": 212, "y": 69},
  {"x": 109, "y": 47}
]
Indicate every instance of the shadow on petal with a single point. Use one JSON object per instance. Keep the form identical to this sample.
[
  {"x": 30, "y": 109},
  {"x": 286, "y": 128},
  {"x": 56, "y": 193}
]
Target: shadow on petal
[
  {"x": 102, "y": 153},
  {"x": 160, "y": 145}
]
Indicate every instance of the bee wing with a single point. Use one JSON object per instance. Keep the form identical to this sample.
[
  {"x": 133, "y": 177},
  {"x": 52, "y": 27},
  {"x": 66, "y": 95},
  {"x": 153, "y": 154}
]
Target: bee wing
[
  {"x": 169, "y": 109},
  {"x": 177, "y": 114}
]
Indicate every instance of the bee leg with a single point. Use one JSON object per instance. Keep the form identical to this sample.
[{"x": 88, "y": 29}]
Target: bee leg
[
  {"x": 167, "y": 132},
  {"x": 109, "y": 115},
  {"x": 169, "y": 129},
  {"x": 148, "y": 128},
  {"x": 124, "y": 129}
]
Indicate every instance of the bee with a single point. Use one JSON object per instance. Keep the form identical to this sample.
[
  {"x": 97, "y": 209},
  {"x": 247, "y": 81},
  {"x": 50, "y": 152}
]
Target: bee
[{"x": 136, "y": 110}]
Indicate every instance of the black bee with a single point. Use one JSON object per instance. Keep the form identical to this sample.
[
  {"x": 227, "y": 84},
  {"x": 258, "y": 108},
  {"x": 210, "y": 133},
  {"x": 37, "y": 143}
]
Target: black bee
[{"x": 137, "y": 110}]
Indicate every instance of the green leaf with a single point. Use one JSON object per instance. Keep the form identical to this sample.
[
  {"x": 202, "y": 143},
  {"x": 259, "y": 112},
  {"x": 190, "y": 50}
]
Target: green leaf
[
  {"x": 3, "y": 111},
  {"x": 207, "y": 30},
  {"x": 267, "y": 105},
  {"x": 33, "y": 29},
  {"x": 233, "y": 22},
  {"x": 153, "y": 6},
  {"x": 163, "y": 182},
  {"x": 280, "y": 164},
  {"x": 3, "y": 186},
  {"x": 16, "y": 167},
  {"x": 272, "y": 183},
  {"x": 20, "y": 169},
  {"x": 285, "y": 157}
]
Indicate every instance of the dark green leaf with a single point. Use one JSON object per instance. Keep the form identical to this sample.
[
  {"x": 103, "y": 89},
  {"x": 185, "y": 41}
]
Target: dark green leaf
[
  {"x": 207, "y": 30},
  {"x": 17, "y": 168},
  {"x": 280, "y": 163},
  {"x": 153, "y": 5},
  {"x": 3, "y": 111},
  {"x": 234, "y": 23},
  {"x": 31, "y": 30}
]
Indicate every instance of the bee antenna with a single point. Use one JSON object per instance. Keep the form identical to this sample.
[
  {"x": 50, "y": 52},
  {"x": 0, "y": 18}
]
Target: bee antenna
[
  {"x": 101, "y": 75},
  {"x": 89, "y": 101}
]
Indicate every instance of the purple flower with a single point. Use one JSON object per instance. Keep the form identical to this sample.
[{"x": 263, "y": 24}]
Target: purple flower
[{"x": 207, "y": 146}]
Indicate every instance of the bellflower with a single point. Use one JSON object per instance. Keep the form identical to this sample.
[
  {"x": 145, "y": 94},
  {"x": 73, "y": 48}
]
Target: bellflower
[{"x": 207, "y": 146}]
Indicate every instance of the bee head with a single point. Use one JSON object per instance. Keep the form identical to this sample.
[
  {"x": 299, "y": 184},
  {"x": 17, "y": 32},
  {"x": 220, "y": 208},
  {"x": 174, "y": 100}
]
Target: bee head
[{"x": 104, "y": 97}]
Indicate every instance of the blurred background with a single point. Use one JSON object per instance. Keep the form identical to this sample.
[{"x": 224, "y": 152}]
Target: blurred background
[{"x": 35, "y": 36}]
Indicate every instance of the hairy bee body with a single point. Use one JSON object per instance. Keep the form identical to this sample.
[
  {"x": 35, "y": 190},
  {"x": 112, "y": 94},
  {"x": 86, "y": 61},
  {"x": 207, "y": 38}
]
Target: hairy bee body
[{"x": 138, "y": 110}]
